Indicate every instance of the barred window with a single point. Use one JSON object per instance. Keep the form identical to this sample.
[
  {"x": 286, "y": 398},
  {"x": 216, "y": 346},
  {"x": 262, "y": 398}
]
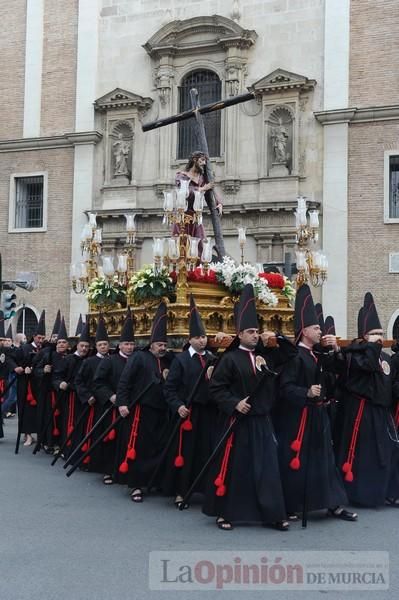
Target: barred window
[
  {"x": 27, "y": 322},
  {"x": 28, "y": 202},
  {"x": 209, "y": 89},
  {"x": 394, "y": 187}
]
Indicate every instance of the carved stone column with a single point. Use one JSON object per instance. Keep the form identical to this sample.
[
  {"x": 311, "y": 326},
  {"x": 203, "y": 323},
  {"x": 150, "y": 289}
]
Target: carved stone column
[{"x": 164, "y": 77}]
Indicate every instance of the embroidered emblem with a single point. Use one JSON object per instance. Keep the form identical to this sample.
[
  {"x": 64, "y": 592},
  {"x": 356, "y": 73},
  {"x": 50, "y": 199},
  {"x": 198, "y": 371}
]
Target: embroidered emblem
[
  {"x": 260, "y": 362},
  {"x": 2, "y": 358},
  {"x": 165, "y": 373},
  {"x": 385, "y": 367}
]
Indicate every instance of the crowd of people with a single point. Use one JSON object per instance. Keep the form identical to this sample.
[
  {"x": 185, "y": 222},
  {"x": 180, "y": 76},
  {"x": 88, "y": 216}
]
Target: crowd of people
[{"x": 265, "y": 431}]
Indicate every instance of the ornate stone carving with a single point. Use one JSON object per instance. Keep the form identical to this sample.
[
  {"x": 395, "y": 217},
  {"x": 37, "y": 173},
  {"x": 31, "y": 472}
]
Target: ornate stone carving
[{"x": 280, "y": 141}]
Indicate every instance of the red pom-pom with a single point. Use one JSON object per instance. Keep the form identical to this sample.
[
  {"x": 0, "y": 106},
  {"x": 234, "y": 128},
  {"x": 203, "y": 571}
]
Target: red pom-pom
[
  {"x": 131, "y": 454},
  {"x": 123, "y": 467},
  {"x": 179, "y": 461},
  {"x": 295, "y": 463},
  {"x": 84, "y": 448},
  {"x": 86, "y": 460},
  {"x": 187, "y": 425},
  {"x": 296, "y": 445},
  {"x": 112, "y": 435},
  {"x": 57, "y": 412},
  {"x": 56, "y": 432},
  {"x": 221, "y": 491},
  {"x": 346, "y": 467},
  {"x": 70, "y": 430},
  {"x": 349, "y": 477},
  {"x": 69, "y": 443},
  {"x": 218, "y": 481}
]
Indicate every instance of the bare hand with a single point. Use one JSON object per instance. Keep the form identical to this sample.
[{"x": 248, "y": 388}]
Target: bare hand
[
  {"x": 91, "y": 400},
  {"x": 220, "y": 336},
  {"x": 19, "y": 370},
  {"x": 63, "y": 385},
  {"x": 47, "y": 368},
  {"x": 243, "y": 407},
  {"x": 123, "y": 411},
  {"x": 268, "y": 339},
  {"x": 314, "y": 391},
  {"x": 113, "y": 398},
  {"x": 183, "y": 412},
  {"x": 330, "y": 340},
  {"x": 28, "y": 370},
  {"x": 219, "y": 208}
]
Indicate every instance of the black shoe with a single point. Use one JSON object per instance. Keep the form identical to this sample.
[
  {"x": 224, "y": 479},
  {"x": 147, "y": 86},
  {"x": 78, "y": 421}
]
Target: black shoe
[{"x": 342, "y": 513}]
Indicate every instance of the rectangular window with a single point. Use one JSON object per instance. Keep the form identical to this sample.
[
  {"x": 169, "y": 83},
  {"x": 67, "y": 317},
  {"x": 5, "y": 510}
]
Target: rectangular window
[
  {"x": 28, "y": 202},
  {"x": 394, "y": 187}
]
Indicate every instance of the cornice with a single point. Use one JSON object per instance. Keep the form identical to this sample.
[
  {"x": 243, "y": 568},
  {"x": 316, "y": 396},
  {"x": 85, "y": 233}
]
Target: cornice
[
  {"x": 368, "y": 114},
  {"x": 66, "y": 140}
]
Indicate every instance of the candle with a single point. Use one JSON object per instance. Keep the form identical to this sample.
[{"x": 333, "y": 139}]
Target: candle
[
  {"x": 73, "y": 271},
  {"x": 157, "y": 248},
  {"x": 193, "y": 249},
  {"x": 180, "y": 199},
  {"x": 108, "y": 266},
  {"x": 300, "y": 260},
  {"x": 241, "y": 235},
  {"x": 83, "y": 270},
  {"x": 122, "y": 263},
  {"x": 98, "y": 233},
  {"x": 130, "y": 222},
  {"x": 173, "y": 250},
  {"x": 314, "y": 219},
  {"x": 93, "y": 220},
  {"x": 206, "y": 255}
]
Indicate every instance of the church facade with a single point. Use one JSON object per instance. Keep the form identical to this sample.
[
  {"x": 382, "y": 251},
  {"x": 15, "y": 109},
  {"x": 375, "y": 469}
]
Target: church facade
[{"x": 81, "y": 77}]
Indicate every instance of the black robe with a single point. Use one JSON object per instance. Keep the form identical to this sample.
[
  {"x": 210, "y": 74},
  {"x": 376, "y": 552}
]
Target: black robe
[
  {"x": 105, "y": 384},
  {"x": 251, "y": 488},
  {"x": 371, "y": 388},
  {"x": 150, "y": 412},
  {"x": 67, "y": 403},
  {"x": 28, "y": 389},
  {"x": 324, "y": 487},
  {"x": 84, "y": 383},
  {"x": 194, "y": 445}
]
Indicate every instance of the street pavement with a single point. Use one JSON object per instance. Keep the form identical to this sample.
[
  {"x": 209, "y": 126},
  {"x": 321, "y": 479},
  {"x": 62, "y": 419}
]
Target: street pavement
[{"x": 76, "y": 539}]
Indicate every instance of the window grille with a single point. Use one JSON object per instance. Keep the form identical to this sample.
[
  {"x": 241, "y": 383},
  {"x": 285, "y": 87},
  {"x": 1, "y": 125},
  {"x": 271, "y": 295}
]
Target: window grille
[
  {"x": 394, "y": 187},
  {"x": 209, "y": 87},
  {"x": 29, "y": 202}
]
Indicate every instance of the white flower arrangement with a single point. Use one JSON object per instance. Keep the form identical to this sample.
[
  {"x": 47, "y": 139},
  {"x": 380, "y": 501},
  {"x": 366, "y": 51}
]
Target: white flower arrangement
[
  {"x": 149, "y": 283},
  {"x": 235, "y": 277},
  {"x": 105, "y": 291}
]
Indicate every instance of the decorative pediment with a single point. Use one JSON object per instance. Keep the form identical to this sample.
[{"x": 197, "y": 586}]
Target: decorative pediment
[
  {"x": 199, "y": 34},
  {"x": 280, "y": 80},
  {"x": 121, "y": 99}
]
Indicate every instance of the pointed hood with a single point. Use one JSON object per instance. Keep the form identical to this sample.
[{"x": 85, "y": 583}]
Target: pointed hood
[
  {"x": 79, "y": 326},
  {"x": 9, "y": 332},
  {"x": 57, "y": 323},
  {"x": 41, "y": 326},
  {"x": 329, "y": 326},
  {"x": 370, "y": 315},
  {"x": 245, "y": 313},
  {"x": 85, "y": 332},
  {"x": 196, "y": 326},
  {"x": 127, "y": 333},
  {"x": 320, "y": 317},
  {"x": 62, "y": 332},
  {"x": 159, "y": 325},
  {"x": 305, "y": 312},
  {"x": 101, "y": 331},
  {"x": 2, "y": 331}
]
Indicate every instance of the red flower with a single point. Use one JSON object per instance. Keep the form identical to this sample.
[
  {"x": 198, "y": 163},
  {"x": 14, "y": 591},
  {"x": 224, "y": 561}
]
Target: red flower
[{"x": 274, "y": 280}]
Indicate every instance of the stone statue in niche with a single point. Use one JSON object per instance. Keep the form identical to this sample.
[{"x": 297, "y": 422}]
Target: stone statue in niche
[
  {"x": 279, "y": 137},
  {"x": 121, "y": 149},
  {"x": 280, "y": 142}
]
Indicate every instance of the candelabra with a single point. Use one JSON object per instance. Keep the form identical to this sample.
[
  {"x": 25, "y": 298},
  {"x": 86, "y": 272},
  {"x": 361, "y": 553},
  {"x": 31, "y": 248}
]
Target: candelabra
[
  {"x": 312, "y": 264},
  {"x": 83, "y": 272},
  {"x": 242, "y": 238}
]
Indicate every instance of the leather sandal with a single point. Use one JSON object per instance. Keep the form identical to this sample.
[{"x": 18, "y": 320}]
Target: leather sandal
[
  {"x": 223, "y": 524},
  {"x": 342, "y": 513},
  {"x": 137, "y": 495}
]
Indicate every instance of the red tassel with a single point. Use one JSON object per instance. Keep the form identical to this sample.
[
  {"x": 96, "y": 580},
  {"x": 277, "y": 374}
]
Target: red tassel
[
  {"x": 123, "y": 467},
  {"x": 69, "y": 443},
  {"x": 112, "y": 435},
  {"x": 221, "y": 490},
  {"x": 105, "y": 439},
  {"x": 86, "y": 460},
  {"x": 187, "y": 425},
  {"x": 346, "y": 467},
  {"x": 295, "y": 463},
  {"x": 70, "y": 430},
  {"x": 57, "y": 412},
  {"x": 349, "y": 477},
  {"x": 179, "y": 461},
  {"x": 85, "y": 447},
  {"x": 348, "y": 464},
  {"x": 131, "y": 454},
  {"x": 56, "y": 432},
  {"x": 296, "y": 445},
  {"x": 218, "y": 481}
]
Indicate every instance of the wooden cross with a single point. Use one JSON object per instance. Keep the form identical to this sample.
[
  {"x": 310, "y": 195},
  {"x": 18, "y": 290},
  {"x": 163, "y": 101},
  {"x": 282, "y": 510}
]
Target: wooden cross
[{"x": 197, "y": 111}]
